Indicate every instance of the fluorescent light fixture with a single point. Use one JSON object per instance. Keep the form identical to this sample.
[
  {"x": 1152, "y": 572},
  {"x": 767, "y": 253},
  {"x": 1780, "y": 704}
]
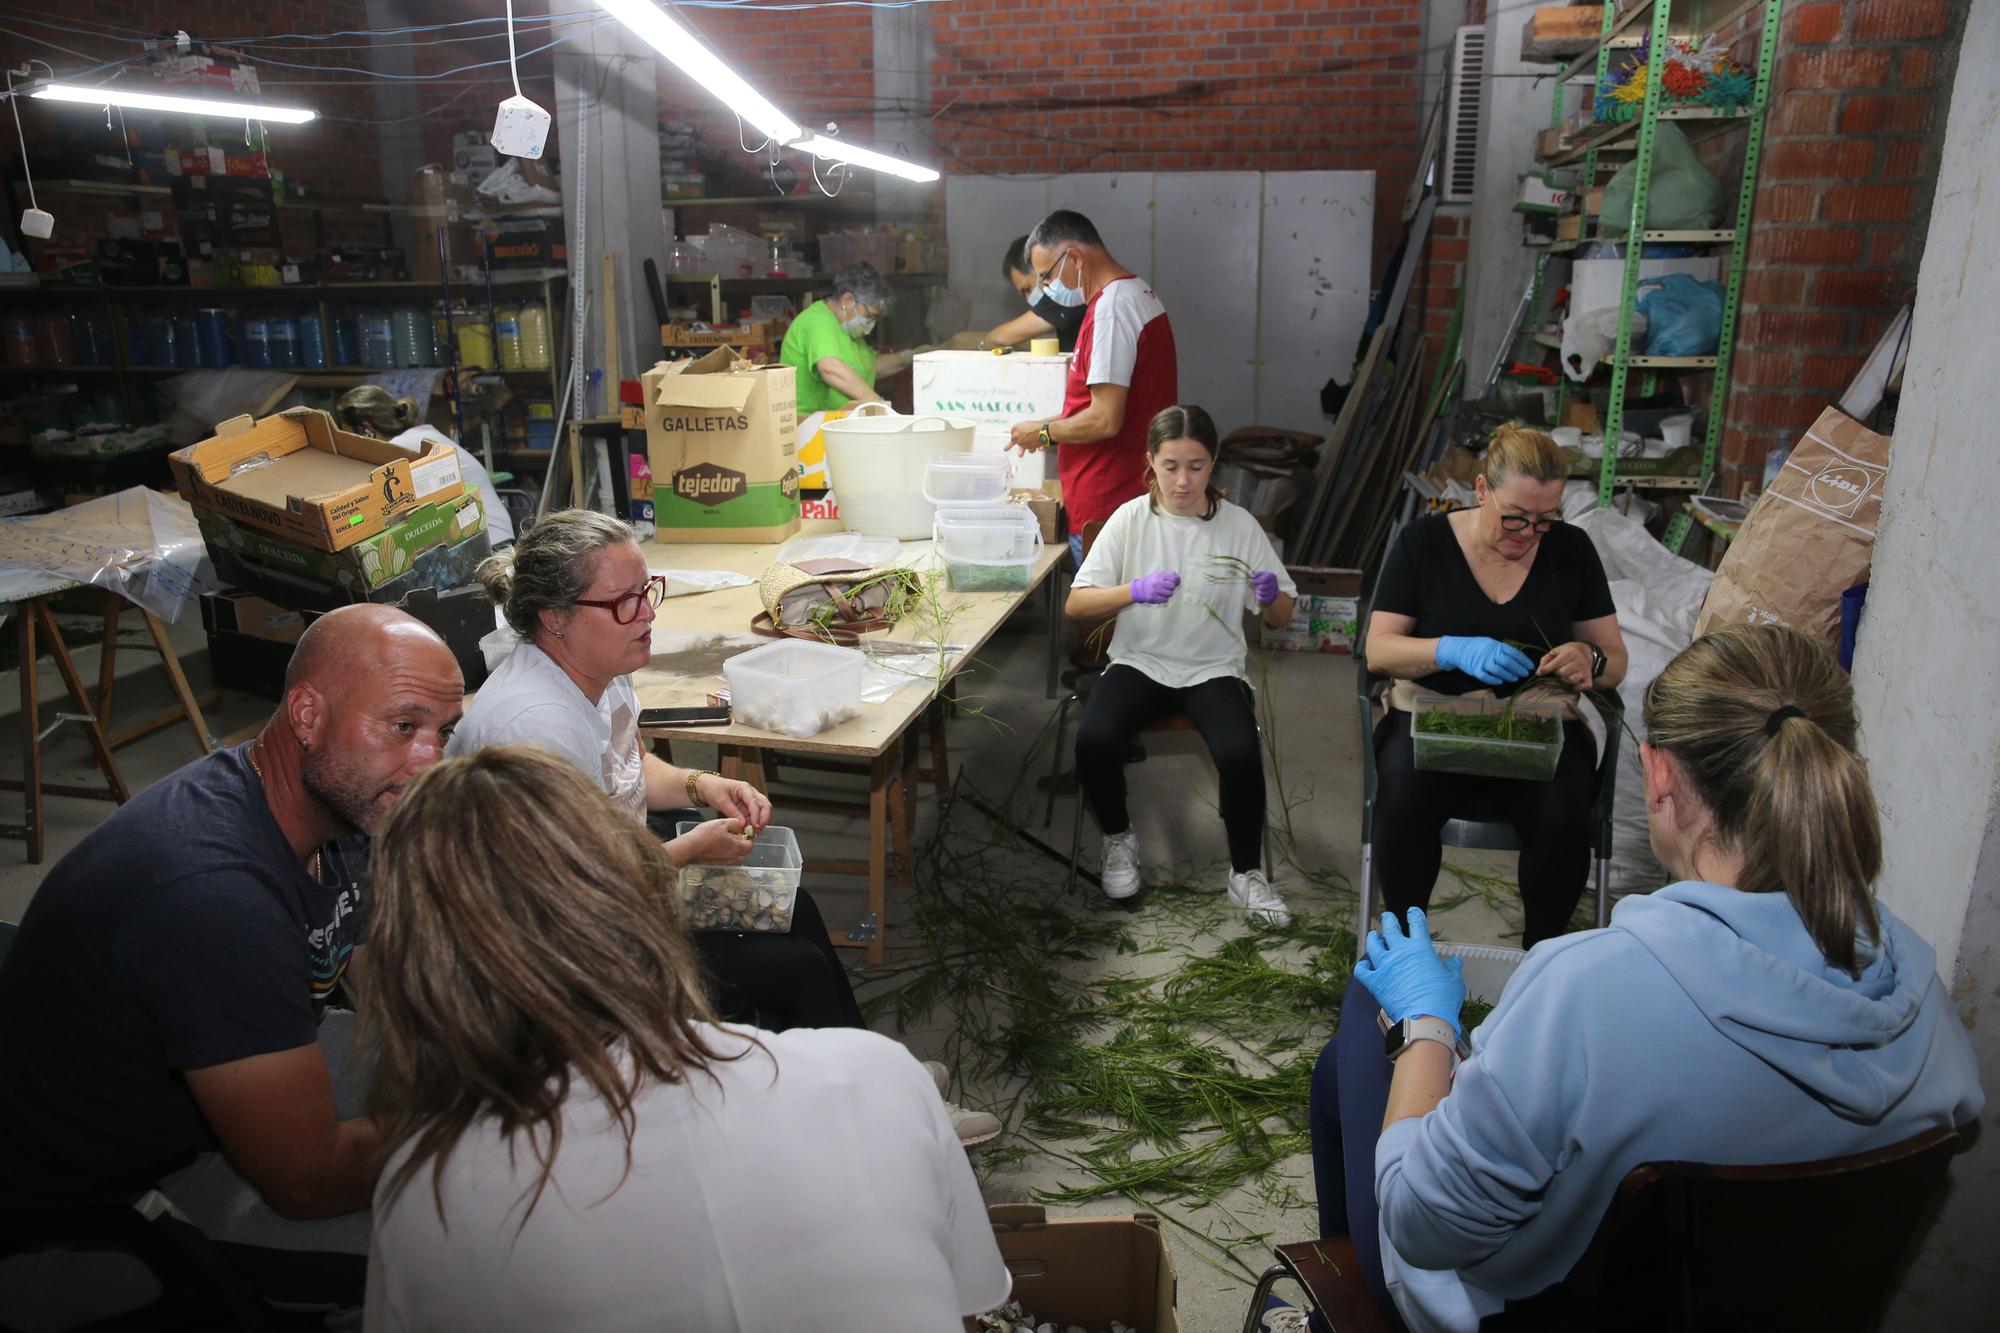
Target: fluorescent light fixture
[
  {"x": 702, "y": 65},
  {"x": 187, "y": 106},
  {"x": 821, "y": 146}
]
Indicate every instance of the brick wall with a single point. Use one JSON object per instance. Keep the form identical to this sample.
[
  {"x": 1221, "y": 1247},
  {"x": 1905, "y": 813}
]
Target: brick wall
[
  {"x": 1021, "y": 86},
  {"x": 1842, "y": 204}
]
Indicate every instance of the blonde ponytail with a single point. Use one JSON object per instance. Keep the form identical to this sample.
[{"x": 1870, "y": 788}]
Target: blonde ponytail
[
  {"x": 1516, "y": 449},
  {"x": 1762, "y": 720}
]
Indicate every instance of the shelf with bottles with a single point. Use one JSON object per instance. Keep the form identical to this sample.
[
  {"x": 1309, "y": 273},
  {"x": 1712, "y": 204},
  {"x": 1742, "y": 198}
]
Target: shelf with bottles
[{"x": 138, "y": 190}]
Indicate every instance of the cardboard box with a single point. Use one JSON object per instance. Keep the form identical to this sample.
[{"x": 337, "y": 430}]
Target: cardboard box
[
  {"x": 763, "y": 334},
  {"x": 1569, "y": 227},
  {"x": 722, "y": 442},
  {"x": 1548, "y": 143},
  {"x": 302, "y": 478},
  {"x": 1557, "y": 32},
  {"x": 1593, "y": 201},
  {"x": 1046, "y": 501},
  {"x": 1536, "y": 195},
  {"x": 368, "y": 564},
  {"x": 1326, "y": 616},
  {"x": 246, "y": 614},
  {"x": 1088, "y": 1270},
  {"x": 526, "y": 241},
  {"x": 993, "y": 392}
]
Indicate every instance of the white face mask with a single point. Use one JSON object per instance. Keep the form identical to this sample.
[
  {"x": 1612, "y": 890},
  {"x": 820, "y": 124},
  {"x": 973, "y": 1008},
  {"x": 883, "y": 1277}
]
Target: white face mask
[{"x": 858, "y": 325}]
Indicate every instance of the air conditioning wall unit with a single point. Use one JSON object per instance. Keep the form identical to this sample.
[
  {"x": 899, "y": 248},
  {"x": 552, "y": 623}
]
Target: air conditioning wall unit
[{"x": 1461, "y": 114}]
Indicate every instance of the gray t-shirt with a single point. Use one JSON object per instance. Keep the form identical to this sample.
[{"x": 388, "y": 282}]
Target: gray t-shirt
[{"x": 532, "y": 701}]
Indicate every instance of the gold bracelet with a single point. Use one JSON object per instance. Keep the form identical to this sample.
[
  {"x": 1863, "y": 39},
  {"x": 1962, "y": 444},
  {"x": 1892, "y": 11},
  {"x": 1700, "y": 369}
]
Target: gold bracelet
[{"x": 694, "y": 797}]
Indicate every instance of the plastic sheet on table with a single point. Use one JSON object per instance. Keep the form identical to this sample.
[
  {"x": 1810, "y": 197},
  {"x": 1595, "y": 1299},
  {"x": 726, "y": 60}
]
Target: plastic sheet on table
[
  {"x": 688, "y": 582},
  {"x": 141, "y": 544},
  {"x": 889, "y": 674}
]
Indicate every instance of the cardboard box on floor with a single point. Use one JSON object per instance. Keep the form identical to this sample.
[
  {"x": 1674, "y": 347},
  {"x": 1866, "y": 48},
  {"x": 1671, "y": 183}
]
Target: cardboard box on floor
[
  {"x": 722, "y": 442},
  {"x": 1088, "y": 1270},
  {"x": 1326, "y": 615},
  {"x": 299, "y": 476}
]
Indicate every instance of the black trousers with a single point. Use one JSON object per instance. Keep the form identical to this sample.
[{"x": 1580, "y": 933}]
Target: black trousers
[
  {"x": 1552, "y": 819},
  {"x": 773, "y": 981},
  {"x": 1223, "y": 711}
]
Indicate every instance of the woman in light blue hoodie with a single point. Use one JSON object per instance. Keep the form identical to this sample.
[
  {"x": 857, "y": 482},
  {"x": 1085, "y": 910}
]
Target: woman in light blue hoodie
[{"x": 1762, "y": 1009}]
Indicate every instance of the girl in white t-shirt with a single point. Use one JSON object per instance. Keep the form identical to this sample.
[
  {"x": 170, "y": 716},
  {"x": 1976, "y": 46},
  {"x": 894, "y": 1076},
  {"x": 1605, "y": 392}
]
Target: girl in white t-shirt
[
  {"x": 1178, "y": 567},
  {"x": 572, "y": 1140}
]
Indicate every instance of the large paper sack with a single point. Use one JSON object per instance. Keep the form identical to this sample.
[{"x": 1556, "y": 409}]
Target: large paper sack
[{"x": 1809, "y": 539}]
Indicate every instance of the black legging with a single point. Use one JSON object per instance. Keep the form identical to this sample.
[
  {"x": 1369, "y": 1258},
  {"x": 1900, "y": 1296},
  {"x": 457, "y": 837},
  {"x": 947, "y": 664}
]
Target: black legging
[
  {"x": 773, "y": 981},
  {"x": 1126, "y": 699},
  {"x": 1551, "y": 818},
  {"x": 770, "y": 980}
]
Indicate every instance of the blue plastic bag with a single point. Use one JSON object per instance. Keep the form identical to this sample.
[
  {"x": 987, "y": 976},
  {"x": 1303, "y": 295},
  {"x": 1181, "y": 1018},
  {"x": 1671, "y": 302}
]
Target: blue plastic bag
[{"x": 1683, "y": 315}]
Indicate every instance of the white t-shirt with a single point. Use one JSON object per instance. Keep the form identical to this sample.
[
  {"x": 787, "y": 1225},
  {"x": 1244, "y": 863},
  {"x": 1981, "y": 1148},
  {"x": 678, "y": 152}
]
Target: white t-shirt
[
  {"x": 499, "y": 525},
  {"x": 532, "y": 701},
  {"x": 829, "y": 1194},
  {"x": 1197, "y": 634}
]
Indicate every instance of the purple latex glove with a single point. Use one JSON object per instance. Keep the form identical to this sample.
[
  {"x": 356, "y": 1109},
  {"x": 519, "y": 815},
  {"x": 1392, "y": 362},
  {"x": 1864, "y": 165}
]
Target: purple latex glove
[
  {"x": 1155, "y": 588},
  {"x": 1265, "y": 584}
]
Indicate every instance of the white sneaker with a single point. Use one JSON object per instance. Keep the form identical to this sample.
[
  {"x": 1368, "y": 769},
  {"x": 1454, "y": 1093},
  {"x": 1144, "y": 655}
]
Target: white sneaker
[
  {"x": 972, "y": 1127},
  {"x": 1120, "y": 876},
  {"x": 1260, "y": 902}
]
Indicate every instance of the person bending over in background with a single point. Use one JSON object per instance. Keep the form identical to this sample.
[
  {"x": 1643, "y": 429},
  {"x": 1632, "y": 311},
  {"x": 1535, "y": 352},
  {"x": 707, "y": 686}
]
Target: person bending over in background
[
  {"x": 1178, "y": 567},
  {"x": 1045, "y": 318},
  {"x": 577, "y": 592},
  {"x": 574, "y": 1141},
  {"x": 1124, "y": 373},
  {"x": 1762, "y": 1009},
  {"x": 828, "y": 343},
  {"x": 164, "y": 1011},
  {"x": 1457, "y": 594}
]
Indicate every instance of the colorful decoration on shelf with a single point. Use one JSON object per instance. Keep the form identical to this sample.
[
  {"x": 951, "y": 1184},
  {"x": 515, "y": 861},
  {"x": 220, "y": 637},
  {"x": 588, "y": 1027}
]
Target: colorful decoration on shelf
[{"x": 1694, "y": 74}]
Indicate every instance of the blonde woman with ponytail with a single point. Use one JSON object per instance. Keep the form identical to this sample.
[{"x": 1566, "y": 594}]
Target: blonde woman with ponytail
[
  {"x": 1179, "y": 566},
  {"x": 1761, "y": 1009},
  {"x": 371, "y": 410}
]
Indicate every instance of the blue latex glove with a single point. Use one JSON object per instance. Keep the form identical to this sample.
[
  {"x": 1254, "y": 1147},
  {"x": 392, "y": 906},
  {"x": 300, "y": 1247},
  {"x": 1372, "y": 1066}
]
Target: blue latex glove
[
  {"x": 1264, "y": 584},
  {"x": 1488, "y": 661},
  {"x": 1406, "y": 976}
]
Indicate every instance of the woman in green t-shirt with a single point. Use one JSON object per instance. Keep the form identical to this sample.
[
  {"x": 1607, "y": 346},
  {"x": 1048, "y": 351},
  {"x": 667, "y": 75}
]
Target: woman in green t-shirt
[{"x": 827, "y": 343}]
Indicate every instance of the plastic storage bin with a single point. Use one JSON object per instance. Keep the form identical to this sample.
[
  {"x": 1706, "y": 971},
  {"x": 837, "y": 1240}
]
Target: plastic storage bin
[
  {"x": 756, "y": 894},
  {"x": 987, "y": 548},
  {"x": 1488, "y": 969},
  {"x": 1488, "y": 738},
  {"x": 956, "y": 479},
  {"x": 794, "y": 687}
]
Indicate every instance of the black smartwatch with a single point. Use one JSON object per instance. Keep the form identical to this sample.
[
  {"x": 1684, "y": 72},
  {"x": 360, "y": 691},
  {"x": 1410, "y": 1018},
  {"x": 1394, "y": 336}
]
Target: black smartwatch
[{"x": 1598, "y": 661}]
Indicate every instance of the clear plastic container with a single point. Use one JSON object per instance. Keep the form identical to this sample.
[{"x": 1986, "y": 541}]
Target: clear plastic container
[
  {"x": 755, "y": 894},
  {"x": 963, "y": 478},
  {"x": 794, "y": 687},
  {"x": 1489, "y": 738},
  {"x": 987, "y": 548}
]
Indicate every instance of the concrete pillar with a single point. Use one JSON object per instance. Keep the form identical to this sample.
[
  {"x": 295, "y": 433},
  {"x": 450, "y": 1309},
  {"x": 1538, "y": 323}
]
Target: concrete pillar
[
  {"x": 1927, "y": 666},
  {"x": 617, "y": 74},
  {"x": 902, "y": 63},
  {"x": 1513, "y": 108}
]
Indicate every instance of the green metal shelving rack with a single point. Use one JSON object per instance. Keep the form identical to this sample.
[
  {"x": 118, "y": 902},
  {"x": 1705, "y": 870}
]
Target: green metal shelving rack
[{"x": 1618, "y": 27}]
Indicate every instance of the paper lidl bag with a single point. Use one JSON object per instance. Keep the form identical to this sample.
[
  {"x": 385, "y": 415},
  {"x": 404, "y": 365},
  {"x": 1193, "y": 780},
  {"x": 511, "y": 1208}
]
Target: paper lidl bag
[
  {"x": 1810, "y": 537},
  {"x": 722, "y": 443}
]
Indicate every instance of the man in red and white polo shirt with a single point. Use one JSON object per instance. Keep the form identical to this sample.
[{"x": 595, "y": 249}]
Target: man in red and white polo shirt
[{"x": 1124, "y": 371}]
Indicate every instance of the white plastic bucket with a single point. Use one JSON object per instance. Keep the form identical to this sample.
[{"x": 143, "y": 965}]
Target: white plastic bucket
[{"x": 875, "y": 463}]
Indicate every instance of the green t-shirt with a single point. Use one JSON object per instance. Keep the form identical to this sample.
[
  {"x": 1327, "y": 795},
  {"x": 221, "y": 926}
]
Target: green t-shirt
[{"x": 815, "y": 335}]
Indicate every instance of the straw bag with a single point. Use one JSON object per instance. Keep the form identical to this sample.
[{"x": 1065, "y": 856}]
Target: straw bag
[{"x": 833, "y": 601}]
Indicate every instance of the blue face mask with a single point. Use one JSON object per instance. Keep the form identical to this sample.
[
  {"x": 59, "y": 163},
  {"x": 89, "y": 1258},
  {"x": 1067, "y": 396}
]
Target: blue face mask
[{"x": 1059, "y": 292}]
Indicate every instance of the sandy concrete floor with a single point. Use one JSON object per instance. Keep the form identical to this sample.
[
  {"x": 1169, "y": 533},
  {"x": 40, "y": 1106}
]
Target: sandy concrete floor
[{"x": 1173, "y": 802}]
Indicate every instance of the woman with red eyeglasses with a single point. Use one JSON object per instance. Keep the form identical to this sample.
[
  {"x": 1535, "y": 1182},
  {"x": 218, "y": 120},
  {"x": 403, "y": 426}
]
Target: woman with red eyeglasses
[
  {"x": 1484, "y": 600},
  {"x": 577, "y": 592}
]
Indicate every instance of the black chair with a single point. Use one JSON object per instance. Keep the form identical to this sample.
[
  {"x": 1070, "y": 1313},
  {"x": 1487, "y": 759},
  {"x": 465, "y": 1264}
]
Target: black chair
[
  {"x": 1720, "y": 1249},
  {"x": 1481, "y": 825},
  {"x": 198, "y": 1288}
]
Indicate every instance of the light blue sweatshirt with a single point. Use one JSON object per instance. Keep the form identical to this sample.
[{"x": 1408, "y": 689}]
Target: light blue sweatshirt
[{"x": 1701, "y": 1025}]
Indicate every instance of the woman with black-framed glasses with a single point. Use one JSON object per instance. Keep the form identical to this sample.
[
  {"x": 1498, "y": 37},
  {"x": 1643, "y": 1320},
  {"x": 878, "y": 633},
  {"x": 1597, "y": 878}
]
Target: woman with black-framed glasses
[{"x": 1484, "y": 600}]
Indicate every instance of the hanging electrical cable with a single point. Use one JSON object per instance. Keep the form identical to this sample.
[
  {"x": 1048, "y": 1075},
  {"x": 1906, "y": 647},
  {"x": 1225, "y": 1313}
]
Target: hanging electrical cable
[
  {"x": 34, "y": 222},
  {"x": 520, "y": 127}
]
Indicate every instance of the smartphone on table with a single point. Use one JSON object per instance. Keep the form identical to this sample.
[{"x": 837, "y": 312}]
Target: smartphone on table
[{"x": 704, "y": 716}]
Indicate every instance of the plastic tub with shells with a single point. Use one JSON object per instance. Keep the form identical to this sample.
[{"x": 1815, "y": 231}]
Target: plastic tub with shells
[{"x": 755, "y": 894}]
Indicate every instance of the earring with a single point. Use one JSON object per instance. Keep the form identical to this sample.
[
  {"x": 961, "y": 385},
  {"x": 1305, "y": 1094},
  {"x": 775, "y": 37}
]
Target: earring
[{"x": 558, "y": 633}]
